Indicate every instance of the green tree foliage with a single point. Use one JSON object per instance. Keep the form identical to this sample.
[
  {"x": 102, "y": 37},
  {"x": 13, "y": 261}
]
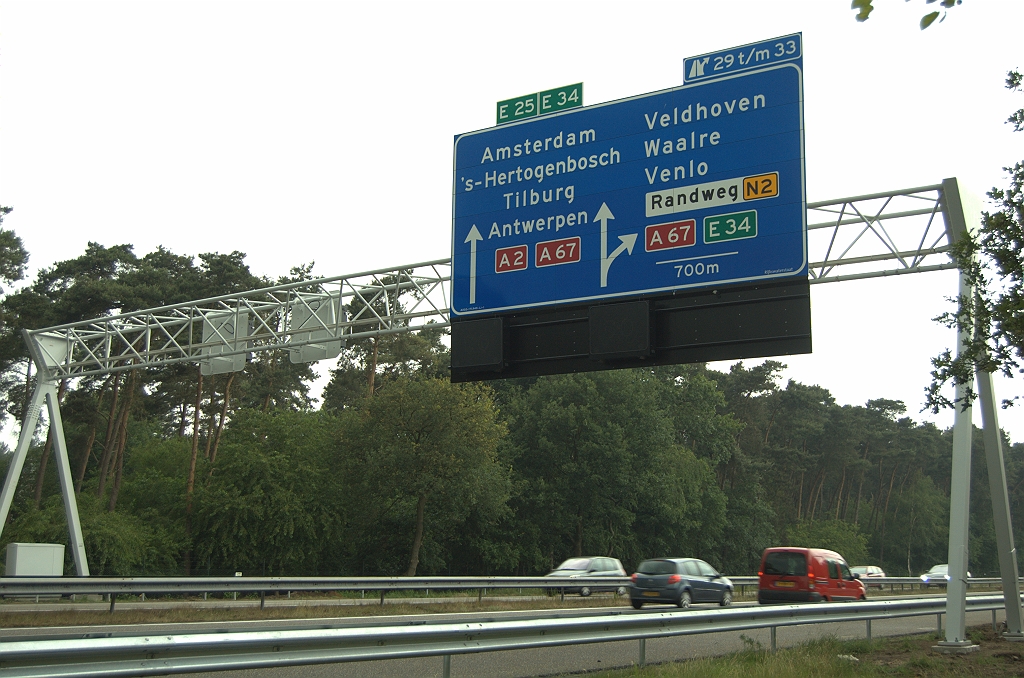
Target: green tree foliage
[
  {"x": 428, "y": 458},
  {"x": 268, "y": 503},
  {"x": 865, "y": 7},
  {"x": 598, "y": 471},
  {"x": 836, "y": 535},
  {"x": 13, "y": 257},
  {"x": 993, "y": 259}
]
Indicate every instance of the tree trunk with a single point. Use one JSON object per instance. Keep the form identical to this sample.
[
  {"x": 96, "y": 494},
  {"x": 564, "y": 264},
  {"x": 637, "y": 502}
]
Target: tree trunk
[
  {"x": 117, "y": 481},
  {"x": 800, "y": 497},
  {"x": 190, "y": 484},
  {"x": 87, "y": 452},
  {"x": 888, "y": 494},
  {"x": 108, "y": 441},
  {"x": 80, "y": 476},
  {"x": 417, "y": 539},
  {"x": 820, "y": 495},
  {"x": 41, "y": 473},
  {"x": 839, "y": 496},
  {"x": 109, "y": 462},
  {"x": 373, "y": 369},
  {"x": 183, "y": 421},
  {"x": 860, "y": 488},
  {"x": 812, "y": 500},
  {"x": 211, "y": 420},
  {"x": 768, "y": 428},
  {"x": 873, "y": 521},
  {"x": 128, "y": 401},
  {"x": 578, "y": 546},
  {"x": 885, "y": 512},
  {"x": 220, "y": 424}
]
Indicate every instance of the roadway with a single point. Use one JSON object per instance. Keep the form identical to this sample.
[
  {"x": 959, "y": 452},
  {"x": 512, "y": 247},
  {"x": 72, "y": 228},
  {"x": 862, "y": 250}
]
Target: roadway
[{"x": 515, "y": 664}]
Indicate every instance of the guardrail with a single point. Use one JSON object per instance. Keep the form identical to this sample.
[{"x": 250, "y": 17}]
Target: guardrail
[
  {"x": 146, "y": 655},
  {"x": 141, "y": 586}
]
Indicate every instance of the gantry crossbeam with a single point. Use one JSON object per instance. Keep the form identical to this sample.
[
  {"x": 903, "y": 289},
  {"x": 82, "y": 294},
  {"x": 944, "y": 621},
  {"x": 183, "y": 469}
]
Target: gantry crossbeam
[
  {"x": 867, "y": 236},
  {"x": 306, "y": 318},
  {"x": 878, "y": 235}
]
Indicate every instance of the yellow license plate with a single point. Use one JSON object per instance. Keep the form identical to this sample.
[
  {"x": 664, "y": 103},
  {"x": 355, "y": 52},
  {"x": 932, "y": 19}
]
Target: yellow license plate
[
  {"x": 653, "y": 594},
  {"x": 785, "y": 584}
]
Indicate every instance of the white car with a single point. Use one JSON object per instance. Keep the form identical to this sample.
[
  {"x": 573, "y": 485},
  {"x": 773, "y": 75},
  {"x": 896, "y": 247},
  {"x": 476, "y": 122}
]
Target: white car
[
  {"x": 937, "y": 576},
  {"x": 868, "y": 572}
]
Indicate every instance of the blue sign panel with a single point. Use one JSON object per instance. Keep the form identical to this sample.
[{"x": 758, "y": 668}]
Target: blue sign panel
[
  {"x": 685, "y": 188},
  {"x": 756, "y": 55}
]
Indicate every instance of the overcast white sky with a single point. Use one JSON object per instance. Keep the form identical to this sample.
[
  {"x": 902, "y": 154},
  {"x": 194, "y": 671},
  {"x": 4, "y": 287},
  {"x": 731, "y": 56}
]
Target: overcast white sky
[{"x": 302, "y": 131}]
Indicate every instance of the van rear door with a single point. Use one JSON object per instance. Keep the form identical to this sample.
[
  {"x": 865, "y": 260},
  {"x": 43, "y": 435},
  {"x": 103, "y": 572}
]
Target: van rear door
[{"x": 785, "y": 570}]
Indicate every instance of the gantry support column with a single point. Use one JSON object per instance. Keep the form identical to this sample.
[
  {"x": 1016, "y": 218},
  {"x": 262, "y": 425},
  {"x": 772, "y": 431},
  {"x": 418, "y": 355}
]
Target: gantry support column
[
  {"x": 1000, "y": 506},
  {"x": 960, "y": 482},
  {"x": 46, "y": 391},
  {"x": 959, "y": 509}
]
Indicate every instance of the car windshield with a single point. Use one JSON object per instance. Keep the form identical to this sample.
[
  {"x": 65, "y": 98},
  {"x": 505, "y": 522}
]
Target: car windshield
[
  {"x": 860, "y": 569},
  {"x": 792, "y": 563},
  {"x": 657, "y": 567},
  {"x": 575, "y": 564},
  {"x": 938, "y": 569}
]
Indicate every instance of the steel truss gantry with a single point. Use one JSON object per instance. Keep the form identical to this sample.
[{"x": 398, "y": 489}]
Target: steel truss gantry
[{"x": 868, "y": 236}]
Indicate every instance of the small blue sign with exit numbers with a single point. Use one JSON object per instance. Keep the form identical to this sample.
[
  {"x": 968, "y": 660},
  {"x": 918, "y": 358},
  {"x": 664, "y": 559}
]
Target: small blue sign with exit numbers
[{"x": 745, "y": 58}]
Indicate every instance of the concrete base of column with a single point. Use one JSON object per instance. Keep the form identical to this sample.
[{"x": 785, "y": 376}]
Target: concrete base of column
[
  {"x": 1013, "y": 637},
  {"x": 965, "y": 647}
]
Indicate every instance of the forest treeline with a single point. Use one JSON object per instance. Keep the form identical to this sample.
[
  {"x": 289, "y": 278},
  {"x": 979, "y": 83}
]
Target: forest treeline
[{"x": 397, "y": 471}]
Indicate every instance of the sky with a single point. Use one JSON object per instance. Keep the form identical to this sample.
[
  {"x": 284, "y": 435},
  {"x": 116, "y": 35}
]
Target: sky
[{"x": 322, "y": 132}]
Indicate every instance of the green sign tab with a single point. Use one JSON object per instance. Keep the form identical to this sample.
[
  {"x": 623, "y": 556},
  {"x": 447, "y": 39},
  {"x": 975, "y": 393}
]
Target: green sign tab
[
  {"x": 560, "y": 98},
  {"x": 735, "y": 226},
  {"x": 540, "y": 103}
]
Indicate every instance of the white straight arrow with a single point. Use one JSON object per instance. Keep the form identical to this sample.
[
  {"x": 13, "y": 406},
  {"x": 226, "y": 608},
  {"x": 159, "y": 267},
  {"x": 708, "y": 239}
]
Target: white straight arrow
[
  {"x": 628, "y": 241},
  {"x": 472, "y": 238}
]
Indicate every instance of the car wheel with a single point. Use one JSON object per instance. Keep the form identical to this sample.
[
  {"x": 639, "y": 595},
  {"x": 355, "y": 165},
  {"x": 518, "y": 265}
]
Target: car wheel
[
  {"x": 637, "y": 604},
  {"x": 726, "y": 598},
  {"x": 585, "y": 591},
  {"x": 684, "y": 599}
]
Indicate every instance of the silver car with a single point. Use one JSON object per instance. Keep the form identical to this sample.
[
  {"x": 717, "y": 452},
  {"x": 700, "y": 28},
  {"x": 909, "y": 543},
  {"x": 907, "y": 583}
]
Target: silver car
[{"x": 591, "y": 566}]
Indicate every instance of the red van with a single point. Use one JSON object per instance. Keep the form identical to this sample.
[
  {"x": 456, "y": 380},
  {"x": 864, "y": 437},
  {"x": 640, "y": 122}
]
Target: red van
[{"x": 790, "y": 574}]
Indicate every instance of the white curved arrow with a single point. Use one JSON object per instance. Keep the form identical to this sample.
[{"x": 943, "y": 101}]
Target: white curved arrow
[
  {"x": 628, "y": 241},
  {"x": 473, "y": 237}
]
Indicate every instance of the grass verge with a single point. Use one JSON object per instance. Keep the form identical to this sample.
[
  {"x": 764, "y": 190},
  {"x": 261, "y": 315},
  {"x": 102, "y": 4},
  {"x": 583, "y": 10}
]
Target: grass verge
[{"x": 903, "y": 656}]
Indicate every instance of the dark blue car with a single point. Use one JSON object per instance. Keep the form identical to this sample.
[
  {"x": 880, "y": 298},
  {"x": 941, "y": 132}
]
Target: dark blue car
[{"x": 679, "y": 581}]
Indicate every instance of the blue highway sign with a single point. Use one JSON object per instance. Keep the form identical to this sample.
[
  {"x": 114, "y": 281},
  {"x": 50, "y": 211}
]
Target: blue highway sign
[
  {"x": 684, "y": 188},
  {"x": 750, "y": 57}
]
